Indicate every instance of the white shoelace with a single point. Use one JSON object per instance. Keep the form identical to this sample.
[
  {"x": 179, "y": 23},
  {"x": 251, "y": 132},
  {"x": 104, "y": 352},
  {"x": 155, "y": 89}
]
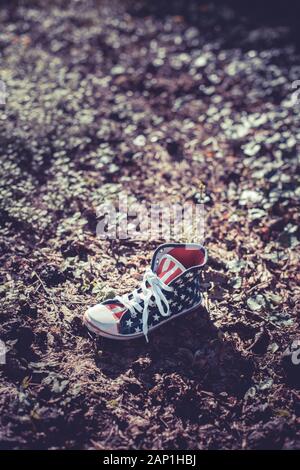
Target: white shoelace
[{"x": 152, "y": 286}]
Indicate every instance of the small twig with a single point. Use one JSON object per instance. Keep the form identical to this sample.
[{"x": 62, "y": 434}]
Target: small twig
[
  {"x": 69, "y": 300},
  {"x": 49, "y": 294},
  {"x": 262, "y": 318},
  {"x": 206, "y": 302},
  {"x": 257, "y": 286}
]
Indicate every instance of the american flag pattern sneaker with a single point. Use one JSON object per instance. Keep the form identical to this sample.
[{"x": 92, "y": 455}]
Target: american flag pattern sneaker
[{"x": 171, "y": 287}]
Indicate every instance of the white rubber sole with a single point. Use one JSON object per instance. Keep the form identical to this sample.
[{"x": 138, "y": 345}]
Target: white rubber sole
[{"x": 96, "y": 330}]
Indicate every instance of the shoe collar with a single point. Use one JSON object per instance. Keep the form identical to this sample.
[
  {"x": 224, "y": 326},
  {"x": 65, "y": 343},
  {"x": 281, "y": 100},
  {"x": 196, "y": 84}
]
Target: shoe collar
[{"x": 189, "y": 255}]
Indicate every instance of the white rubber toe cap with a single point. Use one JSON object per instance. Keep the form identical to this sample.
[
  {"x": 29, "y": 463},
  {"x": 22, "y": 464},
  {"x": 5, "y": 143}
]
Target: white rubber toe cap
[{"x": 102, "y": 318}]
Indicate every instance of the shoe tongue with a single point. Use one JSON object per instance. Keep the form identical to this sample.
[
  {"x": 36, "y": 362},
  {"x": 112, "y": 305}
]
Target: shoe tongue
[{"x": 169, "y": 268}]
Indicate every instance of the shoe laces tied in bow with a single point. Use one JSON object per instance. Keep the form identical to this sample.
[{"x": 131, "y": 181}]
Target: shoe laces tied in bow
[{"x": 152, "y": 287}]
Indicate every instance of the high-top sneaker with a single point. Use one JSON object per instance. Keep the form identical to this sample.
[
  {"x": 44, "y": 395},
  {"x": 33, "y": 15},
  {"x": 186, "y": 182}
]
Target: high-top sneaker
[{"x": 170, "y": 288}]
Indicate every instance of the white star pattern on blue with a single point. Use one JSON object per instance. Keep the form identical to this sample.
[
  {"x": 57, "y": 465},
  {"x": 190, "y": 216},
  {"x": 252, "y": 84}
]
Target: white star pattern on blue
[{"x": 186, "y": 294}]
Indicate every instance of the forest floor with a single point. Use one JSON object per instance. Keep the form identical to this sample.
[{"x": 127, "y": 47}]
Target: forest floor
[{"x": 157, "y": 101}]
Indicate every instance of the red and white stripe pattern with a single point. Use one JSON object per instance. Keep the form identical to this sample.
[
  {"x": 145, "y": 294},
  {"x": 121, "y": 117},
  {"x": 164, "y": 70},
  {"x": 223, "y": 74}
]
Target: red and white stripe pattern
[
  {"x": 116, "y": 310},
  {"x": 169, "y": 268}
]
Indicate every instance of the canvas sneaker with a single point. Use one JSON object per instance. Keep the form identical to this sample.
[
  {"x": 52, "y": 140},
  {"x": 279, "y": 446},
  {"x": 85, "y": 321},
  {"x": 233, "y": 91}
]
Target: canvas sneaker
[{"x": 170, "y": 288}]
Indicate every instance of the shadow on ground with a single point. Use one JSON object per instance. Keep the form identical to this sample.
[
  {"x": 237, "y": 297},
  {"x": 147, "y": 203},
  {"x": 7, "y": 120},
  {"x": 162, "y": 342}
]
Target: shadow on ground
[{"x": 192, "y": 347}]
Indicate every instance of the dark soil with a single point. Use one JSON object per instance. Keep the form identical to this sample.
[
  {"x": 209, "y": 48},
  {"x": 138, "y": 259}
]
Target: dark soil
[{"x": 210, "y": 91}]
